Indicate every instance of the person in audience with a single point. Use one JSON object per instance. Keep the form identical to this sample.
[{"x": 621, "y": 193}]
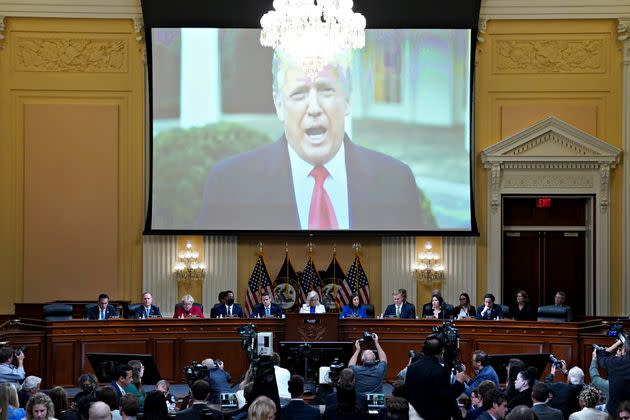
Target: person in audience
[
  {"x": 346, "y": 407},
  {"x": 88, "y": 384},
  {"x": 200, "y": 391},
  {"x": 103, "y": 310},
  {"x": 513, "y": 368},
  {"x": 476, "y": 407},
  {"x": 135, "y": 387},
  {"x": 494, "y": 405},
  {"x": 522, "y": 309},
  {"x": 171, "y": 401},
  {"x": 221, "y": 299},
  {"x": 124, "y": 376},
  {"x": 483, "y": 371},
  {"x": 465, "y": 309},
  {"x": 147, "y": 309},
  {"x": 312, "y": 305},
  {"x": 282, "y": 379},
  {"x": 129, "y": 407},
  {"x": 186, "y": 309},
  {"x": 9, "y": 372},
  {"x": 396, "y": 408},
  {"x": 248, "y": 378},
  {"x": 155, "y": 406},
  {"x": 588, "y": 399},
  {"x": 521, "y": 412},
  {"x": 399, "y": 390},
  {"x": 369, "y": 377},
  {"x": 540, "y": 395},
  {"x": 437, "y": 310},
  {"x": 596, "y": 379},
  {"x": 100, "y": 411},
  {"x": 9, "y": 406},
  {"x": 624, "y": 410},
  {"x": 40, "y": 407},
  {"x": 249, "y": 396},
  {"x": 353, "y": 309},
  {"x": 429, "y": 385},
  {"x": 565, "y": 394},
  {"x": 346, "y": 376},
  {"x": 30, "y": 387},
  {"x": 297, "y": 409},
  {"x": 218, "y": 379},
  {"x": 108, "y": 395},
  {"x": 398, "y": 308},
  {"x": 263, "y": 408},
  {"x": 63, "y": 411},
  {"x": 489, "y": 310},
  {"x": 230, "y": 309},
  {"x": 266, "y": 308},
  {"x": 525, "y": 380},
  {"x": 83, "y": 405}
]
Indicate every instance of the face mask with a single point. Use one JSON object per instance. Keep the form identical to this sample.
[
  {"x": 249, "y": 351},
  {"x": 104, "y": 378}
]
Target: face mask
[
  {"x": 87, "y": 388},
  {"x": 229, "y": 302}
]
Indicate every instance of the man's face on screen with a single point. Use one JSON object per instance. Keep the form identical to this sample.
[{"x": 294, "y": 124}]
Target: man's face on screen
[{"x": 313, "y": 112}]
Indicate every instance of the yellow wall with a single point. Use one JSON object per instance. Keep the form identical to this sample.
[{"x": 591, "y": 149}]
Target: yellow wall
[
  {"x": 89, "y": 75},
  {"x": 71, "y": 160},
  {"x": 528, "y": 70}
]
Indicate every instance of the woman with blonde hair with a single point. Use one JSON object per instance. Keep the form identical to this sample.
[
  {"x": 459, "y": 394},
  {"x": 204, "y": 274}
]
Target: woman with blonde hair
[
  {"x": 9, "y": 404},
  {"x": 40, "y": 407},
  {"x": 312, "y": 305},
  {"x": 263, "y": 408}
]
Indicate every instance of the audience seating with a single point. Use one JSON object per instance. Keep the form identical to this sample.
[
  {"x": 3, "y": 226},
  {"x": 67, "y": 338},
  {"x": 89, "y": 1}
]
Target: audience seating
[
  {"x": 57, "y": 312},
  {"x": 507, "y": 312},
  {"x": 555, "y": 313}
]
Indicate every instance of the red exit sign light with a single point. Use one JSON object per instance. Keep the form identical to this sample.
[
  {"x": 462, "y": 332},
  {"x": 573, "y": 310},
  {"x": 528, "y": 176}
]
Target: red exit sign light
[{"x": 543, "y": 202}]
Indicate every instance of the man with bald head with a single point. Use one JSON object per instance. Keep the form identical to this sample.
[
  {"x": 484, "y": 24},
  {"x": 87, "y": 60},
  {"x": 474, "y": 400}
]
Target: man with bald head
[
  {"x": 369, "y": 375},
  {"x": 100, "y": 411}
]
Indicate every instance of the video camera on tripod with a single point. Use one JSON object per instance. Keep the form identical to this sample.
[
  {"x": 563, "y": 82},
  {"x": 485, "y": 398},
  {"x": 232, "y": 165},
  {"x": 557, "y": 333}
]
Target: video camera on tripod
[{"x": 449, "y": 337}]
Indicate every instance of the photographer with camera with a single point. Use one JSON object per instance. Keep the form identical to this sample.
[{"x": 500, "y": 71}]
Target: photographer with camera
[
  {"x": 618, "y": 372},
  {"x": 429, "y": 383},
  {"x": 218, "y": 379},
  {"x": 368, "y": 377},
  {"x": 565, "y": 394},
  {"x": 11, "y": 365}
]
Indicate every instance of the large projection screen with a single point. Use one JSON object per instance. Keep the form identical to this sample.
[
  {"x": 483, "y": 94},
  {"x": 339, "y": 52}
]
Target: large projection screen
[{"x": 236, "y": 132}]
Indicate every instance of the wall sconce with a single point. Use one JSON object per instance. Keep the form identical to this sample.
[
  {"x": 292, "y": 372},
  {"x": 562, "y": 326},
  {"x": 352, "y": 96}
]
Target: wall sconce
[
  {"x": 428, "y": 268},
  {"x": 188, "y": 267}
]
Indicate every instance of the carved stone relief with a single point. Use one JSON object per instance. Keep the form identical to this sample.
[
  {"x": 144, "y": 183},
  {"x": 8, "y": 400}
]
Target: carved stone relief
[
  {"x": 549, "y": 56},
  {"x": 71, "y": 55},
  {"x": 547, "y": 181}
]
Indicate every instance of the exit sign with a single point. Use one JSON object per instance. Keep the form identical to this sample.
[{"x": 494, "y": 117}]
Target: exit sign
[{"x": 543, "y": 202}]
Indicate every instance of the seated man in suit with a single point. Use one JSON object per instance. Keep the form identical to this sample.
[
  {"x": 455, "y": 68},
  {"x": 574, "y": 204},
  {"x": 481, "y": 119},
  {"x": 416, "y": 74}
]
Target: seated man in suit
[
  {"x": 229, "y": 309},
  {"x": 489, "y": 310},
  {"x": 400, "y": 309},
  {"x": 221, "y": 298},
  {"x": 267, "y": 308},
  {"x": 200, "y": 391},
  {"x": 540, "y": 395},
  {"x": 124, "y": 376},
  {"x": 495, "y": 406},
  {"x": 187, "y": 309},
  {"x": 103, "y": 311},
  {"x": 297, "y": 409},
  {"x": 147, "y": 309}
]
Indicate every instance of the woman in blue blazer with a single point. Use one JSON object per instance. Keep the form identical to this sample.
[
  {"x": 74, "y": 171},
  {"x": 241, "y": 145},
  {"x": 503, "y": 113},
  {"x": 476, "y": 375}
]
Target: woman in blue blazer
[{"x": 354, "y": 309}]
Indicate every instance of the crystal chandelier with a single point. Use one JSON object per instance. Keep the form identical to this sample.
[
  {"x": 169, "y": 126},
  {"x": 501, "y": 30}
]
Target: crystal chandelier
[
  {"x": 188, "y": 267},
  {"x": 312, "y": 31},
  {"x": 428, "y": 267}
]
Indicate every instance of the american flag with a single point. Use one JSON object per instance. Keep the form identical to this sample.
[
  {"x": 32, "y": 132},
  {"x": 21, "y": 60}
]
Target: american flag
[
  {"x": 259, "y": 282},
  {"x": 310, "y": 280},
  {"x": 355, "y": 282}
]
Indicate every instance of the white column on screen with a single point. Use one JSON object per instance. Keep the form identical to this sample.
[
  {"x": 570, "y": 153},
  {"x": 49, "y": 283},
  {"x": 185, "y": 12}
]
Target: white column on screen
[
  {"x": 159, "y": 255},
  {"x": 460, "y": 260},
  {"x": 220, "y": 256},
  {"x": 200, "y": 101},
  {"x": 397, "y": 261}
]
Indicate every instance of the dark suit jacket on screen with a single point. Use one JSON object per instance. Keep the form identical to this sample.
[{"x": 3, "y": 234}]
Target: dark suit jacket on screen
[
  {"x": 237, "y": 310},
  {"x": 259, "y": 310},
  {"x": 194, "y": 411},
  {"x": 94, "y": 312},
  {"x": 407, "y": 311},
  {"x": 298, "y": 409},
  {"x": 255, "y": 189}
]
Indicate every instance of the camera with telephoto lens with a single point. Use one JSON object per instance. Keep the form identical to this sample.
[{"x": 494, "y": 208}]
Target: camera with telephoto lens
[
  {"x": 16, "y": 353},
  {"x": 367, "y": 338},
  {"x": 412, "y": 354},
  {"x": 555, "y": 362},
  {"x": 194, "y": 372},
  {"x": 335, "y": 371},
  {"x": 598, "y": 347}
]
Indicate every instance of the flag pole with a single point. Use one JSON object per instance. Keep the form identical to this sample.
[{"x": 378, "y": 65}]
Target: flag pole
[
  {"x": 356, "y": 246},
  {"x": 260, "y": 254}
]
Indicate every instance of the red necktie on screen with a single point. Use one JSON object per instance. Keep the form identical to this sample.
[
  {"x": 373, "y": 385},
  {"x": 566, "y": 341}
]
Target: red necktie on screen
[{"x": 321, "y": 214}]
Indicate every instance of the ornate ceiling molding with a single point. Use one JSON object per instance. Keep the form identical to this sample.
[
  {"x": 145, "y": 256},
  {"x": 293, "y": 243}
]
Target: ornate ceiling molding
[
  {"x": 557, "y": 9},
  {"x": 98, "y": 9}
]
